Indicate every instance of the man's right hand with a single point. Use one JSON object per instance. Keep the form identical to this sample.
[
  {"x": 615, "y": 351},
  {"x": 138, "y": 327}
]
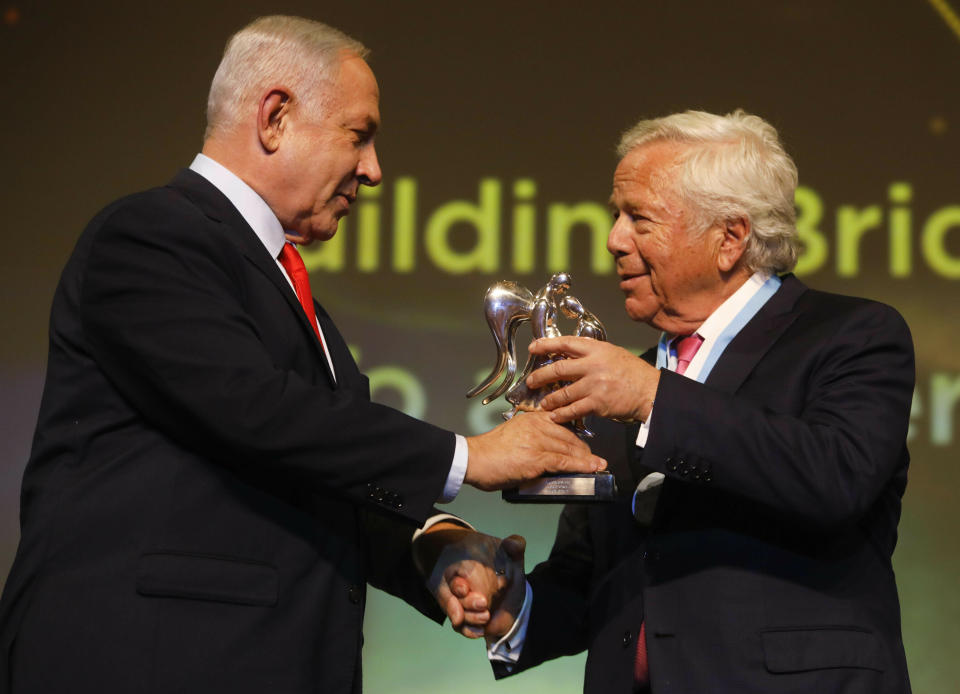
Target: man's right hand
[
  {"x": 494, "y": 563},
  {"x": 523, "y": 448}
]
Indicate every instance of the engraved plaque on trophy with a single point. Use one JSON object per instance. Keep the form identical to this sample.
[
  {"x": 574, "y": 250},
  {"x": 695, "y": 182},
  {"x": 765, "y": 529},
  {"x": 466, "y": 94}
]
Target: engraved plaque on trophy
[{"x": 507, "y": 305}]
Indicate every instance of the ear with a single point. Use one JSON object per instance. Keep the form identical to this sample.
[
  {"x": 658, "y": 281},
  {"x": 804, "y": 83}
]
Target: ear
[
  {"x": 733, "y": 243},
  {"x": 272, "y": 115}
]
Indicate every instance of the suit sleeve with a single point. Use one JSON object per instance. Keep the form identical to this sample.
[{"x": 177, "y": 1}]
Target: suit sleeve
[
  {"x": 388, "y": 552},
  {"x": 825, "y": 462},
  {"x": 162, "y": 309},
  {"x": 561, "y": 588}
]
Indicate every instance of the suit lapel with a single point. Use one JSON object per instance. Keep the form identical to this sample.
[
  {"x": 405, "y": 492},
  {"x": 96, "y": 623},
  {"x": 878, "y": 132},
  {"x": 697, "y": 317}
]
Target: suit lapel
[
  {"x": 732, "y": 368},
  {"x": 751, "y": 344},
  {"x": 218, "y": 208},
  {"x": 339, "y": 352}
]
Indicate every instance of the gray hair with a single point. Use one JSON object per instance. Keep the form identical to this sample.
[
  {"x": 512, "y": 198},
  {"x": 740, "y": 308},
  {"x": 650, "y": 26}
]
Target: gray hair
[
  {"x": 734, "y": 167},
  {"x": 300, "y": 53}
]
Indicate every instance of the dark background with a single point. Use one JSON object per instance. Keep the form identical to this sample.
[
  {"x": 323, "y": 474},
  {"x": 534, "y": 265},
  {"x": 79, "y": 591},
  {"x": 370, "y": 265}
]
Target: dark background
[{"x": 104, "y": 99}]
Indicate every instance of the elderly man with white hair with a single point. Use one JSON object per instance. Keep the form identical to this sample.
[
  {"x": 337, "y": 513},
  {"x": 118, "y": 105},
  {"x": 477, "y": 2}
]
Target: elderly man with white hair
[
  {"x": 761, "y": 447},
  {"x": 210, "y": 488}
]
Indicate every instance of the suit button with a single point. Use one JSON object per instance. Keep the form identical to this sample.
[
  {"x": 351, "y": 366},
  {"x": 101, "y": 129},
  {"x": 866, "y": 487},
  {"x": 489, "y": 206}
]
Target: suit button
[
  {"x": 627, "y": 638},
  {"x": 354, "y": 595}
]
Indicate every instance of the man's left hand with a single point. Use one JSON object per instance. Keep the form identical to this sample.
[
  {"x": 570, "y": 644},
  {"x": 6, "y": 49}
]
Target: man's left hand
[{"x": 600, "y": 378}]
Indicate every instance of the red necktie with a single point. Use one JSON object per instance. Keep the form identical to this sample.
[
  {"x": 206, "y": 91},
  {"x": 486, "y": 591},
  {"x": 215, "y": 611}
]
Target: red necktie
[
  {"x": 686, "y": 349},
  {"x": 641, "y": 669},
  {"x": 297, "y": 271}
]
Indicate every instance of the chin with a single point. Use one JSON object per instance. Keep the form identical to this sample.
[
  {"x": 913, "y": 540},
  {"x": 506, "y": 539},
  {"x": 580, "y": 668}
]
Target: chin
[
  {"x": 324, "y": 233},
  {"x": 637, "y": 311}
]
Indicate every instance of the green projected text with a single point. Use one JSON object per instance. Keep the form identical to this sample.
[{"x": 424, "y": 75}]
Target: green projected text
[{"x": 504, "y": 228}]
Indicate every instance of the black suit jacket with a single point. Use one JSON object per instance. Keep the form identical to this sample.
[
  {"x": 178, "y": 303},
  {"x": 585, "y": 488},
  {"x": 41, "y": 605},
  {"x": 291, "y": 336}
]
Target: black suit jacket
[
  {"x": 203, "y": 505},
  {"x": 767, "y": 565}
]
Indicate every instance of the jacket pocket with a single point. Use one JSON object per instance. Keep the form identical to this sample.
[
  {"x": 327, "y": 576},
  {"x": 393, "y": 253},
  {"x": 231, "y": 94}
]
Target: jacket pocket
[
  {"x": 818, "y": 648},
  {"x": 204, "y": 577}
]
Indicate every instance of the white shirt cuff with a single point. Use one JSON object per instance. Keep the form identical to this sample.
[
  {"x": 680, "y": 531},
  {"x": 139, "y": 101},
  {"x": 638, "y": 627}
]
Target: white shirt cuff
[
  {"x": 433, "y": 520},
  {"x": 458, "y": 470},
  {"x": 644, "y": 430},
  {"x": 507, "y": 649}
]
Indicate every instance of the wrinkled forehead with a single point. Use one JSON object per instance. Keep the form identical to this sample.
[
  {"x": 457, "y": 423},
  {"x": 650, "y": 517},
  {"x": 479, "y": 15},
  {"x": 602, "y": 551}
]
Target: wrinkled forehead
[
  {"x": 357, "y": 71},
  {"x": 353, "y": 92},
  {"x": 649, "y": 168}
]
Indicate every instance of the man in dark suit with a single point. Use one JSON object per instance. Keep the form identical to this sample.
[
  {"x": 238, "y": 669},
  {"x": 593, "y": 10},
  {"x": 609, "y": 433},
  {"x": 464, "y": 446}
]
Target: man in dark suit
[
  {"x": 751, "y": 551},
  {"x": 210, "y": 487}
]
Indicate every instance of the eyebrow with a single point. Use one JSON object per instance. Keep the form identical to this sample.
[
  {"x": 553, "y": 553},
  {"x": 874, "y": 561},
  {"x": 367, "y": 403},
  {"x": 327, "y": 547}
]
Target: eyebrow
[{"x": 366, "y": 125}]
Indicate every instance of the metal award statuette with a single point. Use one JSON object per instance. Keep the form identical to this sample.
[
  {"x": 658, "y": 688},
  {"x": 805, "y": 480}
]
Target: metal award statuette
[{"x": 507, "y": 305}]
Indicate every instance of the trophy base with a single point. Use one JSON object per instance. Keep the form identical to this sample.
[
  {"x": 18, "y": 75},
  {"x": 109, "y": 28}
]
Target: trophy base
[{"x": 564, "y": 489}]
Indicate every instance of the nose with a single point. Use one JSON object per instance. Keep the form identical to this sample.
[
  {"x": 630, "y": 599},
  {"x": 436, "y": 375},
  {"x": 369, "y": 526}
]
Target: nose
[
  {"x": 368, "y": 168},
  {"x": 618, "y": 240}
]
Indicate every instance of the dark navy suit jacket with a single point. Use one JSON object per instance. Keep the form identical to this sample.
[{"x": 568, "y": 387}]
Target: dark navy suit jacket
[
  {"x": 204, "y": 505},
  {"x": 767, "y": 565}
]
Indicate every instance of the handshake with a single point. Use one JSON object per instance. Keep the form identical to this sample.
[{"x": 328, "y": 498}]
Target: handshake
[{"x": 477, "y": 579}]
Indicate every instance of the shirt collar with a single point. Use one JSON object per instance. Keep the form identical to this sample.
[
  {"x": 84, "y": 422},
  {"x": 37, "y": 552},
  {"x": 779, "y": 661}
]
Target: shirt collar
[
  {"x": 249, "y": 204},
  {"x": 715, "y": 324}
]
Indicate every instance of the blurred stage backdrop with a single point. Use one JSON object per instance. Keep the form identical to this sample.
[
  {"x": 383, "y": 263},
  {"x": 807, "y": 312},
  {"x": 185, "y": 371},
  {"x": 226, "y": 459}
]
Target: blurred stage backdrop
[{"x": 500, "y": 121}]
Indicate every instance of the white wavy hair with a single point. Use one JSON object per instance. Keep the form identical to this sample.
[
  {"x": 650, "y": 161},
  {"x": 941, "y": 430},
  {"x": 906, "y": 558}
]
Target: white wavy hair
[
  {"x": 734, "y": 167},
  {"x": 299, "y": 53}
]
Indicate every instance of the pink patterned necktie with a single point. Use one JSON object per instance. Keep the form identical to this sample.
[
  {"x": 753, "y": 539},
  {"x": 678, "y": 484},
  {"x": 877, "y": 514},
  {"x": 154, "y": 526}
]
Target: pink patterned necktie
[{"x": 686, "y": 349}]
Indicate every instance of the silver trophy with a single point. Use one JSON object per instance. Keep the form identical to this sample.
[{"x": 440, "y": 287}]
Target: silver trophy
[{"x": 506, "y": 306}]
